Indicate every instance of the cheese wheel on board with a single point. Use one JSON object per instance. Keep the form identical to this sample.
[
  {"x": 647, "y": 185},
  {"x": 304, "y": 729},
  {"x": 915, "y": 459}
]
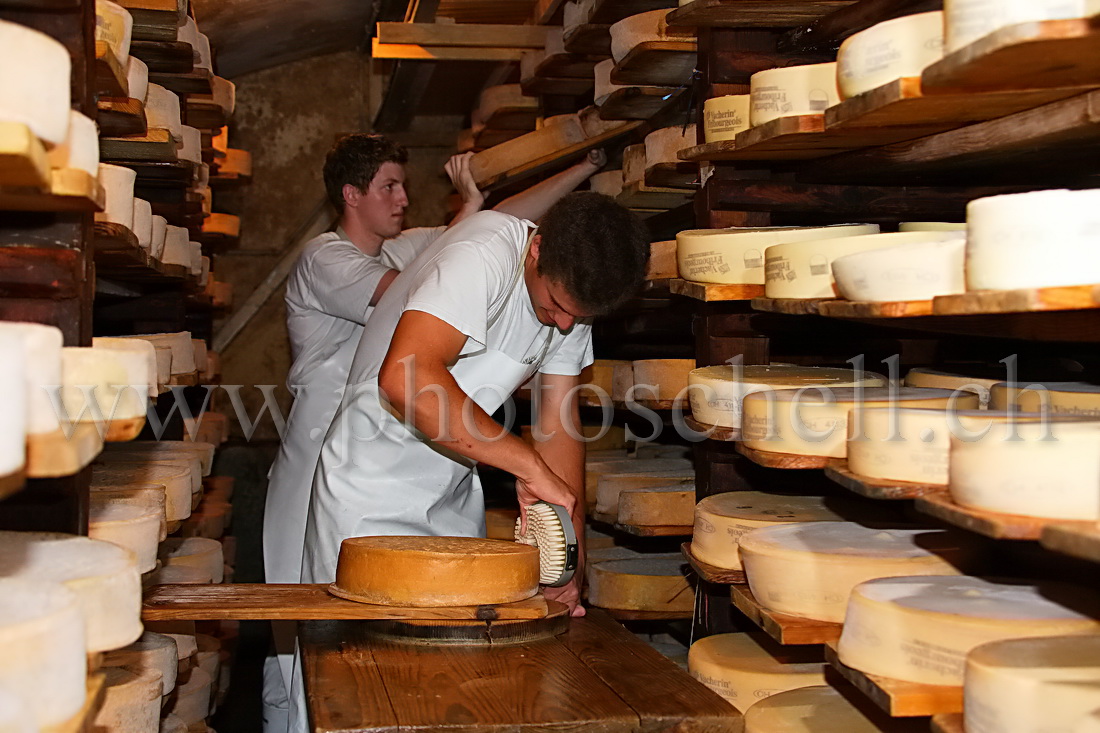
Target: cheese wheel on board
[
  {"x": 13, "y": 420},
  {"x": 80, "y": 151},
  {"x": 648, "y": 584},
  {"x": 44, "y": 659},
  {"x": 920, "y": 629},
  {"x": 172, "y": 724},
  {"x": 1040, "y": 239},
  {"x": 663, "y": 145},
  {"x": 202, "y": 51},
  {"x": 931, "y": 378},
  {"x": 15, "y": 714},
  {"x": 179, "y": 575},
  {"x": 724, "y": 117},
  {"x": 118, "y": 184},
  {"x": 593, "y": 471},
  {"x": 967, "y": 21},
  {"x": 131, "y": 701},
  {"x": 887, "y": 51},
  {"x": 804, "y": 269},
  {"x": 436, "y": 571},
  {"x": 103, "y": 577},
  {"x": 931, "y": 226},
  {"x": 747, "y": 668},
  {"x": 148, "y": 498},
  {"x": 722, "y": 520},
  {"x": 603, "y": 86},
  {"x": 154, "y": 652},
  {"x": 176, "y": 249},
  {"x": 186, "y": 643},
  {"x": 656, "y": 506},
  {"x": 156, "y": 450},
  {"x": 808, "y": 569},
  {"x": 143, "y": 223},
  {"x": 42, "y": 370},
  {"x": 1058, "y": 398},
  {"x": 191, "y": 149},
  {"x": 34, "y": 94},
  {"x": 824, "y": 710},
  {"x": 649, "y": 26},
  {"x": 132, "y": 528},
  {"x": 1042, "y": 469},
  {"x": 735, "y": 256},
  {"x": 574, "y": 14},
  {"x": 1025, "y": 685},
  {"x": 609, "y": 183},
  {"x": 717, "y": 391},
  {"x": 137, "y": 78},
  {"x": 610, "y": 485},
  {"x": 806, "y": 423},
  {"x": 792, "y": 91},
  {"x": 189, "y": 462},
  {"x": 183, "y": 353},
  {"x": 162, "y": 110},
  {"x": 208, "y": 654},
  {"x": 114, "y": 26},
  {"x": 191, "y": 700},
  {"x": 105, "y": 384},
  {"x": 661, "y": 379},
  {"x": 601, "y": 374},
  {"x": 906, "y": 272},
  {"x": 196, "y": 552},
  {"x": 160, "y": 231},
  {"x": 142, "y": 349},
  {"x": 175, "y": 479}
]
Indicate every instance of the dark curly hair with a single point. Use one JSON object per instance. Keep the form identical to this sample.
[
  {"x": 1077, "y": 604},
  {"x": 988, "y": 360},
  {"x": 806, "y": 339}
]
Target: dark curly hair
[
  {"x": 355, "y": 159},
  {"x": 595, "y": 249}
]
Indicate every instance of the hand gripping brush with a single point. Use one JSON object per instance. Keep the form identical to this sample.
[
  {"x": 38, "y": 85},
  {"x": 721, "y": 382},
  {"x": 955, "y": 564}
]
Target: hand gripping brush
[{"x": 550, "y": 529}]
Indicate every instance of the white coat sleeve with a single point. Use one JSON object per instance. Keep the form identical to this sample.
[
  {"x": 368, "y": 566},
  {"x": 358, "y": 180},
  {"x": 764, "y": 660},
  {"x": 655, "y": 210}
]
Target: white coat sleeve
[
  {"x": 399, "y": 252},
  {"x": 574, "y": 353},
  {"x": 342, "y": 279}
]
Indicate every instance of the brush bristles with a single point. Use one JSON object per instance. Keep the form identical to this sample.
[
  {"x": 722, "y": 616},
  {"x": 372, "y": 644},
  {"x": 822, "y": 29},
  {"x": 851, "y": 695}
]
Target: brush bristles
[{"x": 545, "y": 532}]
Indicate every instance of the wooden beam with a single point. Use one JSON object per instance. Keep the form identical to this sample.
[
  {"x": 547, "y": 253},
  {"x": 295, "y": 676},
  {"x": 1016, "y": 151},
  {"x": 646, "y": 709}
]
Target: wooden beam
[
  {"x": 442, "y": 53},
  {"x": 463, "y": 35}
]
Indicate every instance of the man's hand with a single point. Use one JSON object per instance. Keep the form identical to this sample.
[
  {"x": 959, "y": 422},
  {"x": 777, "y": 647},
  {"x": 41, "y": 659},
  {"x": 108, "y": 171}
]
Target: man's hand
[
  {"x": 597, "y": 158},
  {"x": 569, "y": 594},
  {"x": 458, "y": 169},
  {"x": 546, "y": 486}
]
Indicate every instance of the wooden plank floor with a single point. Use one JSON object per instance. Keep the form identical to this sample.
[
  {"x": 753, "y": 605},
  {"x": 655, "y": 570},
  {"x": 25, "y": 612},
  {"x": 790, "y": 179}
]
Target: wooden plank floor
[{"x": 596, "y": 676}]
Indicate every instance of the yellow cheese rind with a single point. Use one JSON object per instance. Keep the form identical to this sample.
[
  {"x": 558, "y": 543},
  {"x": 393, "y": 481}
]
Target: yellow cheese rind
[
  {"x": 724, "y": 117},
  {"x": 747, "y": 668},
  {"x": 436, "y": 571},
  {"x": 967, "y": 21},
  {"x": 649, "y": 584},
  {"x": 133, "y": 528},
  {"x": 887, "y": 51},
  {"x": 152, "y": 651},
  {"x": 931, "y": 378},
  {"x": 131, "y": 703},
  {"x": 672, "y": 505},
  {"x": 792, "y": 91},
  {"x": 1078, "y": 399},
  {"x": 661, "y": 379},
  {"x": 824, "y": 710},
  {"x": 920, "y": 629},
  {"x": 609, "y": 486}
]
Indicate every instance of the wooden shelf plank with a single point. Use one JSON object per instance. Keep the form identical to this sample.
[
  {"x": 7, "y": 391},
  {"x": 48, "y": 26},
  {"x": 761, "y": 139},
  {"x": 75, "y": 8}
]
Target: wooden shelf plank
[
  {"x": 568, "y": 66},
  {"x": 710, "y": 573},
  {"x": 157, "y": 144},
  {"x": 790, "y": 306},
  {"x": 714, "y": 432},
  {"x": 655, "y": 530},
  {"x": 196, "y": 81},
  {"x": 1052, "y": 53},
  {"x": 519, "y": 119},
  {"x": 611, "y": 11},
  {"x": 161, "y": 173},
  {"x": 204, "y": 114},
  {"x": 781, "y": 627},
  {"x": 770, "y": 459},
  {"x": 899, "y": 698},
  {"x": 752, "y": 13},
  {"x": 874, "y": 488},
  {"x": 948, "y": 723},
  {"x": 638, "y": 103},
  {"x": 589, "y": 38},
  {"x": 657, "y": 63},
  {"x": 990, "y": 524},
  {"x": 110, "y": 76},
  {"x": 70, "y": 190},
  {"x": 538, "y": 86},
  {"x": 863, "y": 309},
  {"x": 1077, "y": 540},
  {"x": 638, "y": 195},
  {"x": 714, "y": 292},
  {"x": 1075, "y": 297},
  {"x": 23, "y": 162},
  {"x": 119, "y": 116},
  {"x": 164, "y": 57},
  {"x": 622, "y": 614},
  {"x": 273, "y": 601},
  {"x": 673, "y": 175},
  {"x": 464, "y": 34},
  {"x": 51, "y": 455},
  {"x": 12, "y": 483}
]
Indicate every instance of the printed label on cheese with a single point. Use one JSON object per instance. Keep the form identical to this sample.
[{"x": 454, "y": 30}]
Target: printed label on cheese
[
  {"x": 792, "y": 91},
  {"x": 724, "y": 117},
  {"x": 887, "y": 51}
]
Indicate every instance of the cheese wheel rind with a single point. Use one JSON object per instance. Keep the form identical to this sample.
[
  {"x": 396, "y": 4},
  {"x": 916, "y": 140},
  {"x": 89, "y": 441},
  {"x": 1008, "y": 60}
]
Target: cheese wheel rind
[
  {"x": 888, "y": 51},
  {"x": 791, "y": 91},
  {"x": 906, "y": 272},
  {"x": 747, "y": 668}
]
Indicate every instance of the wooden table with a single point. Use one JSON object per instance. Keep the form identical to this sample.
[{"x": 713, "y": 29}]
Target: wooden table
[{"x": 597, "y": 676}]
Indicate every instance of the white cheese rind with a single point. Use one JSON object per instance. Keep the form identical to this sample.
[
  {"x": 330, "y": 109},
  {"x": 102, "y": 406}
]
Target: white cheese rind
[
  {"x": 118, "y": 184},
  {"x": 824, "y": 710},
  {"x": 131, "y": 701},
  {"x": 34, "y": 81},
  {"x": 906, "y": 272},
  {"x": 966, "y": 21},
  {"x": 114, "y": 26},
  {"x": 888, "y": 51},
  {"x": 649, "y": 26},
  {"x": 724, "y": 117},
  {"x": 746, "y": 668},
  {"x": 80, "y": 151},
  {"x": 137, "y": 78},
  {"x": 105, "y": 383},
  {"x": 13, "y": 419},
  {"x": 42, "y": 370},
  {"x": 162, "y": 110},
  {"x": 792, "y": 91},
  {"x": 130, "y": 527}
]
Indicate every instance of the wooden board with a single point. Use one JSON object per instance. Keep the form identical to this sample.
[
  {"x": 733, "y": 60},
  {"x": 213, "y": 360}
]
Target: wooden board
[
  {"x": 465, "y": 34},
  {"x": 783, "y": 628},
  {"x": 204, "y": 114},
  {"x": 713, "y": 432},
  {"x": 502, "y": 119},
  {"x": 654, "y": 530},
  {"x": 769, "y": 459},
  {"x": 70, "y": 190},
  {"x": 611, "y": 11},
  {"x": 1052, "y": 53},
  {"x": 538, "y": 86},
  {"x": 948, "y": 723},
  {"x": 625, "y": 614},
  {"x": 990, "y": 524},
  {"x": 172, "y": 57},
  {"x": 1018, "y": 301},
  {"x": 1077, "y": 539},
  {"x": 638, "y": 195},
  {"x": 110, "y": 75},
  {"x": 589, "y": 38},
  {"x": 269, "y": 601},
  {"x": 714, "y": 292},
  {"x": 673, "y": 175},
  {"x": 657, "y": 63},
  {"x": 12, "y": 483},
  {"x": 196, "y": 81},
  {"x": 157, "y": 144},
  {"x": 23, "y": 162},
  {"x": 752, "y": 13},
  {"x": 51, "y": 455},
  {"x": 638, "y": 103},
  {"x": 874, "y": 488},
  {"x": 118, "y": 116},
  {"x": 790, "y": 306},
  {"x": 568, "y": 66},
  {"x": 83, "y": 721},
  {"x": 710, "y": 573},
  {"x": 865, "y": 309},
  {"x": 899, "y": 698}
]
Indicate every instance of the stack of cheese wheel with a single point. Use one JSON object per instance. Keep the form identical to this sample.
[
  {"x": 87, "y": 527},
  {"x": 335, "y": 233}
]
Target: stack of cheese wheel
[
  {"x": 192, "y": 698},
  {"x": 118, "y": 184},
  {"x": 196, "y": 552},
  {"x": 967, "y": 21},
  {"x": 36, "y": 96},
  {"x": 135, "y": 528},
  {"x": 661, "y": 379},
  {"x": 1024, "y": 240},
  {"x": 931, "y": 378},
  {"x": 931, "y": 226},
  {"x": 746, "y": 668},
  {"x": 174, "y": 482},
  {"x": 636, "y": 473},
  {"x": 43, "y": 638},
  {"x": 209, "y": 519},
  {"x": 643, "y": 27},
  {"x": 13, "y": 420},
  {"x": 162, "y": 110},
  {"x": 722, "y": 520},
  {"x": 824, "y": 710},
  {"x": 152, "y": 652},
  {"x": 80, "y": 151},
  {"x": 920, "y": 629},
  {"x": 641, "y": 584},
  {"x": 1023, "y": 685},
  {"x": 104, "y": 578},
  {"x": 672, "y": 504},
  {"x": 147, "y": 497},
  {"x": 1078, "y": 399},
  {"x": 792, "y": 91},
  {"x": 609, "y": 183},
  {"x": 664, "y": 145},
  {"x": 186, "y": 461},
  {"x": 804, "y": 269},
  {"x": 143, "y": 224},
  {"x": 103, "y": 383},
  {"x": 41, "y": 350},
  {"x": 808, "y": 569},
  {"x": 906, "y": 272},
  {"x": 810, "y": 422},
  {"x": 897, "y": 48},
  {"x": 179, "y": 344},
  {"x": 131, "y": 702},
  {"x": 716, "y": 392},
  {"x": 735, "y": 256},
  {"x": 157, "y": 450},
  {"x": 724, "y": 117}
]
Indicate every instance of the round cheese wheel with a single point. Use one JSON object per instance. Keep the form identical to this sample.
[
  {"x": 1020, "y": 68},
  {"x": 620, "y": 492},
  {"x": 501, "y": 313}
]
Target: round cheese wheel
[
  {"x": 609, "y": 183},
  {"x": 808, "y": 422},
  {"x": 661, "y": 379},
  {"x": 724, "y": 117},
  {"x": 966, "y": 21},
  {"x": 13, "y": 420},
  {"x": 208, "y": 655},
  {"x": 34, "y": 94},
  {"x": 934, "y": 379},
  {"x": 80, "y": 151},
  {"x": 131, "y": 703},
  {"x": 179, "y": 575},
  {"x": 152, "y": 651},
  {"x": 824, "y": 710},
  {"x": 887, "y": 51},
  {"x": 118, "y": 184},
  {"x": 1040, "y": 239},
  {"x": 647, "y": 584},
  {"x": 104, "y": 578},
  {"x": 191, "y": 700},
  {"x": 808, "y": 569},
  {"x": 1024, "y": 685},
  {"x": 791, "y": 91},
  {"x": 15, "y": 716},
  {"x": 105, "y": 384},
  {"x": 931, "y": 226},
  {"x": 746, "y": 668},
  {"x": 905, "y": 272},
  {"x": 137, "y": 78},
  {"x": 176, "y": 481},
  {"x": 920, "y": 629},
  {"x": 44, "y": 649},
  {"x": 197, "y": 552},
  {"x": 172, "y": 724},
  {"x": 649, "y": 26},
  {"x": 435, "y": 571},
  {"x": 186, "y": 645},
  {"x": 1079, "y": 399},
  {"x": 663, "y": 145},
  {"x": 735, "y": 256},
  {"x": 158, "y": 450},
  {"x": 716, "y": 392},
  {"x": 657, "y": 506},
  {"x": 134, "y": 528},
  {"x": 42, "y": 368}
]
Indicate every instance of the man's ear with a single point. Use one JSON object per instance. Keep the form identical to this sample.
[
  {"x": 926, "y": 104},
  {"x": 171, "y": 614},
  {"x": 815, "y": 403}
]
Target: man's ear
[
  {"x": 351, "y": 195},
  {"x": 534, "y": 250}
]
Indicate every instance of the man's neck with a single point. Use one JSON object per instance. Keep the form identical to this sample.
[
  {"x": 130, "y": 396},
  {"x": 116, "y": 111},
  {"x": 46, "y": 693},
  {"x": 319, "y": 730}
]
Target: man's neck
[{"x": 367, "y": 241}]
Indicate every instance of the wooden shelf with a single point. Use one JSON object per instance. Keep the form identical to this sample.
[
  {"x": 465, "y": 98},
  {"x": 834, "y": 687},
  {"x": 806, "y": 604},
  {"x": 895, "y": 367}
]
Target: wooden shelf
[
  {"x": 164, "y": 57},
  {"x": 589, "y": 38},
  {"x": 52, "y": 455},
  {"x": 803, "y": 137},
  {"x": 710, "y": 573},
  {"x": 204, "y": 114},
  {"x": 518, "y": 119},
  {"x": 673, "y": 175},
  {"x": 641, "y": 531},
  {"x": 69, "y": 190},
  {"x": 714, "y": 292},
  {"x": 769, "y": 459},
  {"x": 196, "y": 81},
  {"x": 1052, "y": 53},
  {"x": 864, "y": 309},
  {"x": 1075, "y": 297},
  {"x": 157, "y": 144},
  {"x": 638, "y": 195},
  {"x": 162, "y": 174},
  {"x": 110, "y": 75},
  {"x": 948, "y": 723},
  {"x": 899, "y": 698},
  {"x": 538, "y": 86},
  {"x": 23, "y": 162},
  {"x": 12, "y": 483},
  {"x": 990, "y": 524},
  {"x": 752, "y": 13},
  {"x": 657, "y": 63},
  {"x": 790, "y": 306},
  {"x": 622, "y": 614},
  {"x": 781, "y": 627},
  {"x": 568, "y": 66},
  {"x": 1078, "y": 539},
  {"x": 874, "y": 488},
  {"x": 119, "y": 116},
  {"x": 638, "y": 103},
  {"x": 82, "y": 722},
  {"x": 714, "y": 432}
]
